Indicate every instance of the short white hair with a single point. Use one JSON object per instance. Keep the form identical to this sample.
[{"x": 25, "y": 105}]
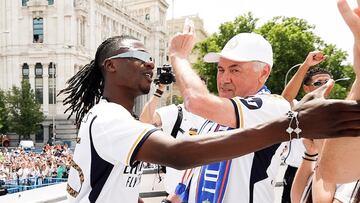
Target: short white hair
[{"x": 258, "y": 65}]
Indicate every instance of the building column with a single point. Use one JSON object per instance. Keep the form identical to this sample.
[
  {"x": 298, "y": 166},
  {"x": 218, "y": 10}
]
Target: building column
[
  {"x": 46, "y": 88},
  {"x": 46, "y": 134},
  {"x": 32, "y": 76}
]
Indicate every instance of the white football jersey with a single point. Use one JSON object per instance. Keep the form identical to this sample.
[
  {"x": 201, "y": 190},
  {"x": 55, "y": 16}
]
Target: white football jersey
[
  {"x": 104, "y": 167},
  {"x": 347, "y": 192},
  {"x": 168, "y": 116},
  {"x": 248, "y": 178}
]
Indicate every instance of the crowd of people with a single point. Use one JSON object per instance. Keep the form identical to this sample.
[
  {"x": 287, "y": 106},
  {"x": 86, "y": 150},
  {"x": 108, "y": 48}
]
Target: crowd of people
[{"x": 23, "y": 167}]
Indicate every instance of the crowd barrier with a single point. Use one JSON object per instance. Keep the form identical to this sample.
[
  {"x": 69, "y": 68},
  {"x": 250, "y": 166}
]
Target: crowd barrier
[{"x": 23, "y": 184}]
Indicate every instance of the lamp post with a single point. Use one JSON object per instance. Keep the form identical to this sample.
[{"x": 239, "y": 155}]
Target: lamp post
[
  {"x": 287, "y": 73},
  {"x": 54, "y": 102},
  {"x": 172, "y": 33}
]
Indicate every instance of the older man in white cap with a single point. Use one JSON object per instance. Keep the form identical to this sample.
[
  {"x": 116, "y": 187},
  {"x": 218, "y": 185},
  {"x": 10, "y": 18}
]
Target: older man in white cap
[{"x": 244, "y": 65}]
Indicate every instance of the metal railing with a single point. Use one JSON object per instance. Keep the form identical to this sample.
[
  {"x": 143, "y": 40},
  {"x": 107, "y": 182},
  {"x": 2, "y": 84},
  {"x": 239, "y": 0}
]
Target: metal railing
[{"x": 22, "y": 184}]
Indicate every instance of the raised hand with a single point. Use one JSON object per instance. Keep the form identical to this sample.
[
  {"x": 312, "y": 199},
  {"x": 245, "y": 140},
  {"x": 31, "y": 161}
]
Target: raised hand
[
  {"x": 351, "y": 17},
  {"x": 182, "y": 44},
  {"x": 314, "y": 58}
]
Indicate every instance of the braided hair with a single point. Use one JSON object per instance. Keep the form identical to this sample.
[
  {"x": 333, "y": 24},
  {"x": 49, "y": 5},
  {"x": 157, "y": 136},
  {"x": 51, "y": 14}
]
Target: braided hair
[{"x": 85, "y": 88}]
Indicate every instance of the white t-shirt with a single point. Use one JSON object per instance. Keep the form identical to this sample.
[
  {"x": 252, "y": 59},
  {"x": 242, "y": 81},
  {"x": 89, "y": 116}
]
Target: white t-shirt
[
  {"x": 347, "y": 192},
  {"x": 294, "y": 156},
  {"x": 168, "y": 116},
  {"x": 247, "y": 178},
  {"x": 104, "y": 167}
]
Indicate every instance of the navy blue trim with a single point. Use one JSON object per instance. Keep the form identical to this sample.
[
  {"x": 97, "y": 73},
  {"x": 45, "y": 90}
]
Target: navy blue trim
[
  {"x": 203, "y": 126},
  {"x": 133, "y": 162},
  {"x": 261, "y": 162},
  {"x": 236, "y": 113},
  {"x": 99, "y": 172}
]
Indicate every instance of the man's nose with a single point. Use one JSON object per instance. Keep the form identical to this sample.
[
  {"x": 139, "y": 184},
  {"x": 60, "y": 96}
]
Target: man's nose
[
  {"x": 226, "y": 77},
  {"x": 149, "y": 65}
]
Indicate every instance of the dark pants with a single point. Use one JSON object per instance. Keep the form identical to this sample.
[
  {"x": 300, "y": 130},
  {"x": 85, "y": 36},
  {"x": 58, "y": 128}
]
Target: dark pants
[{"x": 288, "y": 180}]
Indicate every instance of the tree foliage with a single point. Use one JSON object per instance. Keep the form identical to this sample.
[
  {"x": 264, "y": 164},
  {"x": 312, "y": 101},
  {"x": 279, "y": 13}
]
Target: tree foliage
[
  {"x": 24, "y": 111},
  {"x": 4, "y": 122},
  {"x": 215, "y": 42},
  {"x": 291, "y": 39}
]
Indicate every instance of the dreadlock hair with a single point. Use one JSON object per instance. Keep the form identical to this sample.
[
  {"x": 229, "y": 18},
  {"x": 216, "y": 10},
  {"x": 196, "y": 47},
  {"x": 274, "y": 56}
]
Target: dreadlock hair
[
  {"x": 312, "y": 72},
  {"x": 85, "y": 88}
]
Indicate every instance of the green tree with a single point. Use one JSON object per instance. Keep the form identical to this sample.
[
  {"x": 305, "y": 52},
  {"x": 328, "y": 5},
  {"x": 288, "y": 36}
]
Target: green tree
[
  {"x": 4, "y": 122},
  {"x": 291, "y": 38},
  {"x": 25, "y": 114},
  {"x": 175, "y": 100}
]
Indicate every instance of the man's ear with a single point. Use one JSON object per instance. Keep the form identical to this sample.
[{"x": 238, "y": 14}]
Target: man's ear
[
  {"x": 265, "y": 72},
  {"x": 109, "y": 66},
  {"x": 306, "y": 88}
]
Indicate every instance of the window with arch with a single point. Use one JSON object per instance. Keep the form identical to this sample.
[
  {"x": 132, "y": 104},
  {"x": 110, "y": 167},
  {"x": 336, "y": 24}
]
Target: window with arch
[
  {"x": 39, "y": 82},
  {"x": 147, "y": 16},
  {"x": 52, "y": 83},
  {"x": 25, "y": 71}
]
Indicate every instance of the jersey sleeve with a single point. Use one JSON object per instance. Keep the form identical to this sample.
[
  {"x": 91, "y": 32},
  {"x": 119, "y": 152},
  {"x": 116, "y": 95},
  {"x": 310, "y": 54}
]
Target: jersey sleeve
[
  {"x": 117, "y": 137},
  {"x": 253, "y": 109},
  {"x": 168, "y": 116}
]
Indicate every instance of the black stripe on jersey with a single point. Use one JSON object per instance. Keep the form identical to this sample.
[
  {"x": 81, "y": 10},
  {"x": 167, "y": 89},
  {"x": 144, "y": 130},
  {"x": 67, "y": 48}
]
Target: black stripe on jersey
[
  {"x": 261, "y": 162},
  {"x": 100, "y": 170},
  {"x": 133, "y": 162},
  {"x": 236, "y": 113}
]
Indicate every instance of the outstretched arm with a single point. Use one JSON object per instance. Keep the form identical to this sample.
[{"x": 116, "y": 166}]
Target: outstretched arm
[
  {"x": 197, "y": 98},
  {"x": 148, "y": 114},
  {"x": 294, "y": 85},
  {"x": 339, "y": 162},
  {"x": 315, "y": 117}
]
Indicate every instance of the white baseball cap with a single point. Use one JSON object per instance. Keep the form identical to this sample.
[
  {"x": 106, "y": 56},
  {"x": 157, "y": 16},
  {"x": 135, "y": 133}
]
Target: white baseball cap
[{"x": 244, "y": 47}]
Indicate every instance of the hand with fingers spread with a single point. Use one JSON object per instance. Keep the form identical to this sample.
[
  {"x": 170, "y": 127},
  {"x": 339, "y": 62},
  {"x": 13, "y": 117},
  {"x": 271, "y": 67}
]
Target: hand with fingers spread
[
  {"x": 351, "y": 17},
  {"x": 317, "y": 118},
  {"x": 182, "y": 44},
  {"x": 320, "y": 93}
]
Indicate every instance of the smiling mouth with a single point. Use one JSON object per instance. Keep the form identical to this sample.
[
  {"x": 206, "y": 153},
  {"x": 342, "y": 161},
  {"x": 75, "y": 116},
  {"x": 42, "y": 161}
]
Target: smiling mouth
[
  {"x": 149, "y": 76},
  {"x": 225, "y": 90}
]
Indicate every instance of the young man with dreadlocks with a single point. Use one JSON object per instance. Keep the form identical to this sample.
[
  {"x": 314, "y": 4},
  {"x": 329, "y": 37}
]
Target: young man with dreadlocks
[{"x": 112, "y": 144}]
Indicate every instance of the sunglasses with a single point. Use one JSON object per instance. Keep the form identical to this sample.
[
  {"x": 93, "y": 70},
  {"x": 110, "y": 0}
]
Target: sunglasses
[
  {"x": 319, "y": 83},
  {"x": 140, "y": 55}
]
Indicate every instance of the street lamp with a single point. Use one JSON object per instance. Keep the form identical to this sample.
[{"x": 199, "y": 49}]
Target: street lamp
[
  {"x": 287, "y": 73},
  {"x": 54, "y": 101}
]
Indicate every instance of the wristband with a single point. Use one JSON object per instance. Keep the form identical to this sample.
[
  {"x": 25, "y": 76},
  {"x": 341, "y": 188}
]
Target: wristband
[
  {"x": 310, "y": 155},
  {"x": 157, "y": 95},
  {"x": 165, "y": 201},
  {"x": 307, "y": 159},
  {"x": 158, "y": 91}
]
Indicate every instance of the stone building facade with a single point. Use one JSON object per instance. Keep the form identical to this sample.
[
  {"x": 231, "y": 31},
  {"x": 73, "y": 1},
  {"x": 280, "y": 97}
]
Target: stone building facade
[{"x": 48, "y": 41}]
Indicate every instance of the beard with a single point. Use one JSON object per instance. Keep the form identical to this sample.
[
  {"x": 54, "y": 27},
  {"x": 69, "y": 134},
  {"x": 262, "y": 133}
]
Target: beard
[{"x": 145, "y": 90}]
